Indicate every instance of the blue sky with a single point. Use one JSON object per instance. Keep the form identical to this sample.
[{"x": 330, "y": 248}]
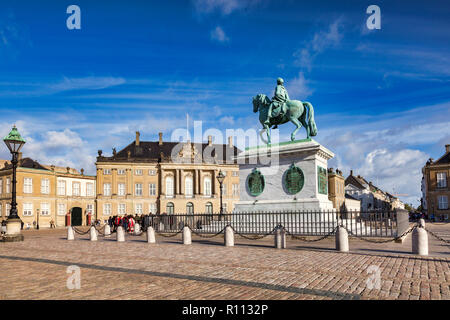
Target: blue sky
[{"x": 381, "y": 97}]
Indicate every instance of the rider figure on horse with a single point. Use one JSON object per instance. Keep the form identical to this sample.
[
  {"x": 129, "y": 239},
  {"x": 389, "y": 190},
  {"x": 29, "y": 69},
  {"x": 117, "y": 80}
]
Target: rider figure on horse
[{"x": 280, "y": 97}]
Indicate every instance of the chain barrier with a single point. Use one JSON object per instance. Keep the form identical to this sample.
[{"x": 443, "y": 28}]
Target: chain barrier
[
  {"x": 381, "y": 241},
  {"x": 82, "y": 233},
  {"x": 254, "y": 237},
  {"x": 136, "y": 235},
  {"x": 202, "y": 235},
  {"x": 301, "y": 238},
  {"x": 170, "y": 235},
  {"x": 436, "y": 236},
  {"x": 101, "y": 230}
]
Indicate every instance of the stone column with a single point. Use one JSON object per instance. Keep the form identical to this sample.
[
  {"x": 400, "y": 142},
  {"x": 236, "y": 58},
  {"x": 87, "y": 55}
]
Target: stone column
[
  {"x": 420, "y": 241},
  {"x": 229, "y": 236},
  {"x": 151, "y": 235},
  {"x": 70, "y": 235},
  {"x": 93, "y": 234},
  {"x": 341, "y": 239},
  {"x": 114, "y": 186},
  {"x": 129, "y": 182},
  {"x": 99, "y": 182},
  {"x": 162, "y": 190},
  {"x": 182, "y": 181},
  {"x": 187, "y": 238},
  {"x": 200, "y": 184}
]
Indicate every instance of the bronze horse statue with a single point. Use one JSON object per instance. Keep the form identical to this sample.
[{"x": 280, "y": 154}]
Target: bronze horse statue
[{"x": 299, "y": 113}]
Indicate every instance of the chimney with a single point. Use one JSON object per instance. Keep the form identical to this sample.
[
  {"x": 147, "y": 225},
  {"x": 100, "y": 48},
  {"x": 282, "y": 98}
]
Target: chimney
[
  {"x": 82, "y": 171},
  {"x": 230, "y": 142},
  {"x": 351, "y": 172},
  {"x": 209, "y": 140},
  {"x": 160, "y": 139},
  {"x": 137, "y": 138},
  {"x": 68, "y": 169},
  {"x": 447, "y": 148}
]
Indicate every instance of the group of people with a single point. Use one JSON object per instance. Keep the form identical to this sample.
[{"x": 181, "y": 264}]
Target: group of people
[{"x": 127, "y": 222}]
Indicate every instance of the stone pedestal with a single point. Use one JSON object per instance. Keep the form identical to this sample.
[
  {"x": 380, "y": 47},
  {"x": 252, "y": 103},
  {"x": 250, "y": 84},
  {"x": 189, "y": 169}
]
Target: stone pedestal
[
  {"x": 293, "y": 177},
  {"x": 13, "y": 227}
]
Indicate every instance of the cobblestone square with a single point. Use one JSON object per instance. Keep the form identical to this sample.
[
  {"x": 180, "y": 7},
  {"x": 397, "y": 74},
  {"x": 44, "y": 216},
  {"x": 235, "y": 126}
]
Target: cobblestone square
[{"x": 37, "y": 269}]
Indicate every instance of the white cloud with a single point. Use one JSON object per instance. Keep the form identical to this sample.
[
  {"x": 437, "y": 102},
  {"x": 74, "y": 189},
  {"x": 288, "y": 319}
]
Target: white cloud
[
  {"x": 224, "y": 7},
  {"x": 321, "y": 41},
  {"x": 219, "y": 35},
  {"x": 298, "y": 88},
  {"x": 89, "y": 83}
]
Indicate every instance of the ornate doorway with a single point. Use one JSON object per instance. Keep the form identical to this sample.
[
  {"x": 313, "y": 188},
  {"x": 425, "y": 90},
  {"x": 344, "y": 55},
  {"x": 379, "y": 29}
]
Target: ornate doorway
[{"x": 76, "y": 216}]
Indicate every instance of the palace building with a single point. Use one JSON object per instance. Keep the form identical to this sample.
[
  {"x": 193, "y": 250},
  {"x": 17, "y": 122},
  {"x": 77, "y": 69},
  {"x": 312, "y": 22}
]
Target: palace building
[
  {"x": 435, "y": 187},
  {"x": 47, "y": 193},
  {"x": 166, "y": 177}
]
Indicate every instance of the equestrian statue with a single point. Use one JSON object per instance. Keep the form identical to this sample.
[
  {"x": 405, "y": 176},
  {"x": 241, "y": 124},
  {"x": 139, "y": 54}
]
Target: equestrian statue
[{"x": 281, "y": 109}]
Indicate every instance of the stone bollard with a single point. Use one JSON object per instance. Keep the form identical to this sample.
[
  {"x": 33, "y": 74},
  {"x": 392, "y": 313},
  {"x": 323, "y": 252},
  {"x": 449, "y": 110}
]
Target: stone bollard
[
  {"x": 120, "y": 234},
  {"x": 107, "y": 230},
  {"x": 341, "y": 239},
  {"x": 280, "y": 238},
  {"x": 70, "y": 235},
  {"x": 187, "y": 238},
  {"x": 229, "y": 236},
  {"x": 93, "y": 234},
  {"x": 422, "y": 223},
  {"x": 151, "y": 235},
  {"x": 420, "y": 241}
]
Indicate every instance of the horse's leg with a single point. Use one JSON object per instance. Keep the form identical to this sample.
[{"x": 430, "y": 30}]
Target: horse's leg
[
  {"x": 303, "y": 121},
  {"x": 297, "y": 123},
  {"x": 268, "y": 133}
]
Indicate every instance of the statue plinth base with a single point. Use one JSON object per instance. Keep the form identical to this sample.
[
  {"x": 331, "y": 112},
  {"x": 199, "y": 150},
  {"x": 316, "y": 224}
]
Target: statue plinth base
[
  {"x": 273, "y": 162},
  {"x": 13, "y": 227}
]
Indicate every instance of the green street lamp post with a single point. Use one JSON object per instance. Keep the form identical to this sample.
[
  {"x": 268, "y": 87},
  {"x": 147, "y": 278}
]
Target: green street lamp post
[
  {"x": 221, "y": 177},
  {"x": 14, "y": 142}
]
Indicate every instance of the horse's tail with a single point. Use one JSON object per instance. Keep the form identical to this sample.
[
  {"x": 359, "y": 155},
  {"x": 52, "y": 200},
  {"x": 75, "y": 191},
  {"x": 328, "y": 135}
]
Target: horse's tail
[{"x": 311, "y": 122}]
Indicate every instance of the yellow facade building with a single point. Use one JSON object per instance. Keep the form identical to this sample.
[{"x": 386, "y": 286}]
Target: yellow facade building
[
  {"x": 46, "y": 194},
  {"x": 436, "y": 190},
  {"x": 166, "y": 177}
]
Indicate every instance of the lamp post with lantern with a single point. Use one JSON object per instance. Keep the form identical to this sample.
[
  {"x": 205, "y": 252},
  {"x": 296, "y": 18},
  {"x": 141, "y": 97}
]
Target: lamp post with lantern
[
  {"x": 14, "y": 142},
  {"x": 221, "y": 177}
]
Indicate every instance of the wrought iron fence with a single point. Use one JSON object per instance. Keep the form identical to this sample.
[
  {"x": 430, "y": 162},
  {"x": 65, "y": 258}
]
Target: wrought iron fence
[{"x": 307, "y": 223}]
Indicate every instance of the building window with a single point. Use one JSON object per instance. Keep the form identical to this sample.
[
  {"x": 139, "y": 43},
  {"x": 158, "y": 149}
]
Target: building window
[
  {"x": 122, "y": 208},
  {"x": 90, "y": 189},
  {"x": 61, "y": 188},
  {"x": 106, "y": 171},
  {"x": 8, "y": 185},
  {"x": 152, "y": 172},
  {"x": 152, "y": 208},
  {"x": 90, "y": 209},
  {"x": 138, "y": 208},
  {"x": 1, "y": 207},
  {"x": 45, "y": 209},
  {"x": 62, "y": 209},
  {"x": 107, "y": 209},
  {"x": 170, "y": 208},
  {"x": 121, "y": 187},
  {"x": 224, "y": 189},
  {"x": 189, "y": 208},
  {"x": 45, "y": 186},
  {"x": 152, "y": 189},
  {"x": 7, "y": 209},
  {"x": 235, "y": 174},
  {"x": 169, "y": 186},
  {"x": 443, "y": 202},
  {"x": 235, "y": 189},
  {"x": 188, "y": 187},
  {"x": 441, "y": 178},
  {"x": 27, "y": 209},
  {"x": 107, "y": 189},
  {"x": 1, "y": 186},
  {"x": 138, "y": 172},
  {"x": 138, "y": 189},
  {"x": 121, "y": 172},
  {"x": 76, "y": 188},
  {"x": 207, "y": 186},
  {"x": 224, "y": 206},
  {"x": 27, "y": 185},
  {"x": 208, "y": 207}
]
